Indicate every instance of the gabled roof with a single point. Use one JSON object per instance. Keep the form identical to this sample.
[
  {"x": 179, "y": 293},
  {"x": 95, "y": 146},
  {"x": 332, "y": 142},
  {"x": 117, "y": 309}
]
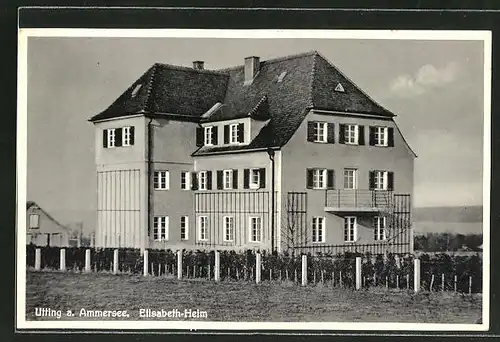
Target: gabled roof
[
  {"x": 309, "y": 83},
  {"x": 30, "y": 204}
]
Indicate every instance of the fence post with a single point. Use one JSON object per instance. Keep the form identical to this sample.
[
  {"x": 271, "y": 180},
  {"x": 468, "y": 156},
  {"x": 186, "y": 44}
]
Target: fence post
[
  {"x": 258, "y": 267},
  {"x": 358, "y": 273},
  {"x": 38, "y": 259},
  {"x": 87, "y": 260},
  {"x": 217, "y": 266},
  {"x": 416, "y": 274},
  {"x": 146, "y": 263},
  {"x": 179, "y": 264},
  {"x": 304, "y": 270},
  {"x": 455, "y": 283},
  {"x": 470, "y": 284},
  {"x": 115, "y": 261},
  {"x": 442, "y": 282},
  {"x": 62, "y": 259}
]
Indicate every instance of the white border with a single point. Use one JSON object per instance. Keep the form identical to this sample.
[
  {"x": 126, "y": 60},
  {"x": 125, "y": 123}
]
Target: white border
[{"x": 21, "y": 322}]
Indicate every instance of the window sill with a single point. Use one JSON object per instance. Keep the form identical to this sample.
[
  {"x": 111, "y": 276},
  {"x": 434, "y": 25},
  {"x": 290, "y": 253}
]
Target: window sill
[
  {"x": 319, "y": 142},
  {"x": 318, "y": 242},
  {"x": 255, "y": 242},
  {"x": 254, "y": 186},
  {"x": 161, "y": 189},
  {"x": 202, "y": 240},
  {"x": 351, "y": 144}
]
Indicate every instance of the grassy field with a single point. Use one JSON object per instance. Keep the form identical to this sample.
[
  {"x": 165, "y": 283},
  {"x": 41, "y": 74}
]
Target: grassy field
[{"x": 241, "y": 301}]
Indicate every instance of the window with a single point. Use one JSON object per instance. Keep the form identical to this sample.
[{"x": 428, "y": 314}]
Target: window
[
  {"x": 255, "y": 178},
  {"x": 380, "y": 134},
  {"x": 255, "y": 229},
  {"x": 34, "y": 221},
  {"x": 351, "y": 134},
  {"x": 233, "y": 133},
  {"x": 126, "y": 136},
  {"x": 185, "y": 180},
  {"x": 318, "y": 229},
  {"x": 228, "y": 179},
  {"x": 350, "y": 229},
  {"x": 320, "y": 130},
  {"x": 202, "y": 180},
  {"x": 339, "y": 88},
  {"x": 350, "y": 179},
  {"x": 184, "y": 227},
  {"x": 380, "y": 180},
  {"x": 281, "y": 77},
  {"x": 319, "y": 178},
  {"x": 379, "y": 223},
  {"x": 208, "y": 135},
  {"x": 160, "y": 228},
  {"x": 161, "y": 180},
  {"x": 111, "y": 137},
  {"x": 202, "y": 228},
  {"x": 228, "y": 228}
]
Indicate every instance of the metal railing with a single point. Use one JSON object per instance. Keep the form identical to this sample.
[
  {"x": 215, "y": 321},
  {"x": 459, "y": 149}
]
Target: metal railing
[{"x": 357, "y": 198}]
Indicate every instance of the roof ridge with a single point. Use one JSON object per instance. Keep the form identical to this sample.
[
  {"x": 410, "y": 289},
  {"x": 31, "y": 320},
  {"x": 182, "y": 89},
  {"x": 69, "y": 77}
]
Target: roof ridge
[
  {"x": 256, "y": 107},
  {"x": 149, "y": 89},
  {"x": 188, "y": 69},
  {"x": 352, "y": 82},
  {"x": 313, "y": 77},
  {"x": 274, "y": 60}
]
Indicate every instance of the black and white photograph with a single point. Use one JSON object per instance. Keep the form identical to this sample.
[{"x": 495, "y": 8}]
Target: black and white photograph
[{"x": 253, "y": 180}]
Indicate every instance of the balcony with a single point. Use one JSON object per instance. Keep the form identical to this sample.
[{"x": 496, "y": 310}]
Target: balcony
[{"x": 345, "y": 201}]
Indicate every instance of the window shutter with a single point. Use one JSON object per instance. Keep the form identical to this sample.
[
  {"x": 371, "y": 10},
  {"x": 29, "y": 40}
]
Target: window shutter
[
  {"x": 199, "y": 136},
  {"x": 341, "y": 134},
  {"x": 118, "y": 137},
  {"x": 361, "y": 135},
  {"x": 309, "y": 178},
  {"x": 209, "y": 180},
  {"x": 246, "y": 179},
  {"x": 241, "y": 132},
  {"x": 262, "y": 172},
  {"x": 371, "y": 180},
  {"x": 371, "y": 141},
  {"x": 105, "y": 138},
  {"x": 310, "y": 130},
  {"x": 194, "y": 181},
  {"x": 132, "y": 135},
  {"x": 226, "y": 134},
  {"x": 390, "y": 137},
  {"x": 215, "y": 135},
  {"x": 330, "y": 179},
  {"x": 235, "y": 179},
  {"x": 330, "y": 133},
  {"x": 219, "y": 179},
  {"x": 390, "y": 181}
]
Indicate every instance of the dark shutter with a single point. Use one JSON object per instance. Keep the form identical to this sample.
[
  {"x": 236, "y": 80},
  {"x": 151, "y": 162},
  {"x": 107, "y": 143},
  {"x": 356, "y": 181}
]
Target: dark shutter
[
  {"x": 330, "y": 133},
  {"x": 215, "y": 135},
  {"x": 262, "y": 172},
  {"x": 309, "y": 178},
  {"x": 390, "y": 138},
  {"x": 371, "y": 180},
  {"x": 246, "y": 179},
  {"x": 199, "y": 136},
  {"x": 132, "y": 135},
  {"x": 361, "y": 135},
  {"x": 209, "y": 180},
  {"x": 390, "y": 181},
  {"x": 235, "y": 179},
  {"x": 330, "y": 179},
  {"x": 341, "y": 134},
  {"x": 118, "y": 137},
  {"x": 105, "y": 138},
  {"x": 371, "y": 141},
  {"x": 311, "y": 125},
  {"x": 219, "y": 179},
  {"x": 226, "y": 134},
  {"x": 241, "y": 132},
  {"x": 194, "y": 181}
]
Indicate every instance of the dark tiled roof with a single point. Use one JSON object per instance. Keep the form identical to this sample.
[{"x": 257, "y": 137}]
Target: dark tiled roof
[{"x": 309, "y": 82}]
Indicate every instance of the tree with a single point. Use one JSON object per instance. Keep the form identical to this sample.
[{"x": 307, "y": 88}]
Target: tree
[{"x": 294, "y": 227}]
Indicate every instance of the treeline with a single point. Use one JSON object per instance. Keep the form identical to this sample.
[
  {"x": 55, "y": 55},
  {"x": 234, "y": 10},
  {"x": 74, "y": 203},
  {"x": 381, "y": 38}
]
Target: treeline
[{"x": 447, "y": 242}]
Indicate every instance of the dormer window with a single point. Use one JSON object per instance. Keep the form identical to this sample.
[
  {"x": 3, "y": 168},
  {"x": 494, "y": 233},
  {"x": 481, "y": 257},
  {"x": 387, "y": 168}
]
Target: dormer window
[
  {"x": 208, "y": 135},
  {"x": 136, "y": 90},
  {"x": 234, "y": 133},
  {"x": 281, "y": 77},
  {"x": 339, "y": 88}
]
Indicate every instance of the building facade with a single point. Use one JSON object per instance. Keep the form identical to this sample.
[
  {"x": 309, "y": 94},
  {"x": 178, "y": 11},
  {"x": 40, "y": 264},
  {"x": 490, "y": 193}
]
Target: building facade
[
  {"x": 43, "y": 230},
  {"x": 283, "y": 154}
]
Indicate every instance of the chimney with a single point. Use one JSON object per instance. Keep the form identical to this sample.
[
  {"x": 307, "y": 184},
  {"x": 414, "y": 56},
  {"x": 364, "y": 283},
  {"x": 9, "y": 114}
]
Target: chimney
[
  {"x": 252, "y": 66},
  {"x": 198, "y": 65}
]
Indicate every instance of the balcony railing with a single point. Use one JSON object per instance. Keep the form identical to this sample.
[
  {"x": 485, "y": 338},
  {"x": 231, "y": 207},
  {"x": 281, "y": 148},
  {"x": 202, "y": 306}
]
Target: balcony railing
[{"x": 357, "y": 199}]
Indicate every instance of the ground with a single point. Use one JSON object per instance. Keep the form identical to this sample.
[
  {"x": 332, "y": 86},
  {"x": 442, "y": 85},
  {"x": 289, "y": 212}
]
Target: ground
[{"x": 243, "y": 301}]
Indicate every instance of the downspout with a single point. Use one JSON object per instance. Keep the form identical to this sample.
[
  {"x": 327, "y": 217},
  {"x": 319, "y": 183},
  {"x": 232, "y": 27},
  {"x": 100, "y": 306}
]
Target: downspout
[
  {"x": 149, "y": 163},
  {"x": 270, "y": 152}
]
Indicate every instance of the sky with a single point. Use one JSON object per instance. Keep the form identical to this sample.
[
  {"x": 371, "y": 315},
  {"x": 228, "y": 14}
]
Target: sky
[{"x": 434, "y": 87}]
